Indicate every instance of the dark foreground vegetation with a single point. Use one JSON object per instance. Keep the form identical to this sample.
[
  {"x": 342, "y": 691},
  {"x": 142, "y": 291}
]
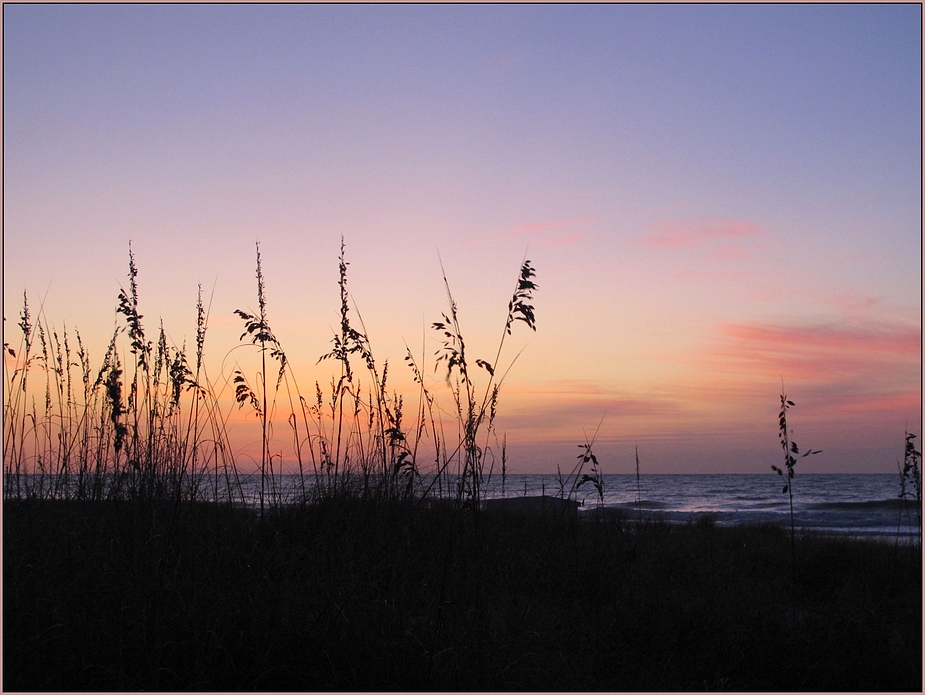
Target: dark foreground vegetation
[{"x": 121, "y": 595}]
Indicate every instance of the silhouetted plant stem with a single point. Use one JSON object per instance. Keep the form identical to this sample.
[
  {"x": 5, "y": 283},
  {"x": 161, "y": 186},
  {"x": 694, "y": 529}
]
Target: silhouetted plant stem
[
  {"x": 14, "y": 416},
  {"x": 193, "y": 424},
  {"x": 638, "y": 494},
  {"x": 262, "y": 336},
  {"x": 138, "y": 403},
  {"x": 790, "y": 448},
  {"x": 911, "y": 473}
]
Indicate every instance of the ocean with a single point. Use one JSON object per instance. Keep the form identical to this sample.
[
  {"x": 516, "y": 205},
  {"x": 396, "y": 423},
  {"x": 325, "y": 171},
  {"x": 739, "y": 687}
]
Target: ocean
[
  {"x": 856, "y": 504},
  {"x": 864, "y": 505},
  {"x": 860, "y": 505}
]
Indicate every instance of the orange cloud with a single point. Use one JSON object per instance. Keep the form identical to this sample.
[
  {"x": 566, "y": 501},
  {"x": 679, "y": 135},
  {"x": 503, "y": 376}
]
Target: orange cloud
[{"x": 687, "y": 233}]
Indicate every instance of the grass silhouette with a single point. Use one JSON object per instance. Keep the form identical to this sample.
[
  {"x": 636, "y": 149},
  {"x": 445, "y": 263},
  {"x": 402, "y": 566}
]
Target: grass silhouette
[{"x": 790, "y": 451}]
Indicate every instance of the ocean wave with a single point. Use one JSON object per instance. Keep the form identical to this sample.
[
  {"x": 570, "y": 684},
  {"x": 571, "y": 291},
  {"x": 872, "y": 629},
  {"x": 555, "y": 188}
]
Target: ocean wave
[{"x": 889, "y": 504}]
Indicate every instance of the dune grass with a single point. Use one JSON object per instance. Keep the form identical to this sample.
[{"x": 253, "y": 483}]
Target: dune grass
[
  {"x": 158, "y": 426},
  {"x": 131, "y": 560}
]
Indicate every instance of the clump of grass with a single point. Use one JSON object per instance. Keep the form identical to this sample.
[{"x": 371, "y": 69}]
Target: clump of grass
[
  {"x": 471, "y": 410},
  {"x": 128, "y": 433},
  {"x": 376, "y": 442},
  {"x": 596, "y": 477},
  {"x": 155, "y": 428}
]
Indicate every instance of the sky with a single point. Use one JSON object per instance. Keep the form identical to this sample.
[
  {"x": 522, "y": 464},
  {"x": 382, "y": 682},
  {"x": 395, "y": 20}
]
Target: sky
[{"x": 717, "y": 200}]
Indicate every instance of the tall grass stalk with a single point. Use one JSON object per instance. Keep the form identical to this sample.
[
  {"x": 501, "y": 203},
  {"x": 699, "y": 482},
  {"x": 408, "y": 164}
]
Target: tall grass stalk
[
  {"x": 910, "y": 474},
  {"x": 638, "y": 493},
  {"x": 258, "y": 329},
  {"x": 790, "y": 451}
]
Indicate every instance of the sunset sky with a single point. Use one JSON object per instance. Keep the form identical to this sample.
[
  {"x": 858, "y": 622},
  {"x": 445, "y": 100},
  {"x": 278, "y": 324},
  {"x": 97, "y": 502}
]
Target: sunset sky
[{"x": 715, "y": 199}]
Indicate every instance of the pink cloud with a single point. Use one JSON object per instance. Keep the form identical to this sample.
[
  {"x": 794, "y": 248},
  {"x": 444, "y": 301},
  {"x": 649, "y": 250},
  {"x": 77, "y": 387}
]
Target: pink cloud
[
  {"x": 537, "y": 229},
  {"x": 478, "y": 242},
  {"x": 853, "y": 302},
  {"x": 872, "y": 354},
  {"x": 864, "y": 339},
  {"x": 545, "y": 226},
  {"x": 560, "y": 387},
  {"x": 571, "y": 413},
  {"x": 709, "y": 276},
  {"x": 585, "y": 401},
  {"x": 572, "y": 238},
  {"x": 686, "y": 233},
  {"x": 864, "y": 404},
  {"x": 856, "y": 382},
  {"x": 731, "y": 253}
]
